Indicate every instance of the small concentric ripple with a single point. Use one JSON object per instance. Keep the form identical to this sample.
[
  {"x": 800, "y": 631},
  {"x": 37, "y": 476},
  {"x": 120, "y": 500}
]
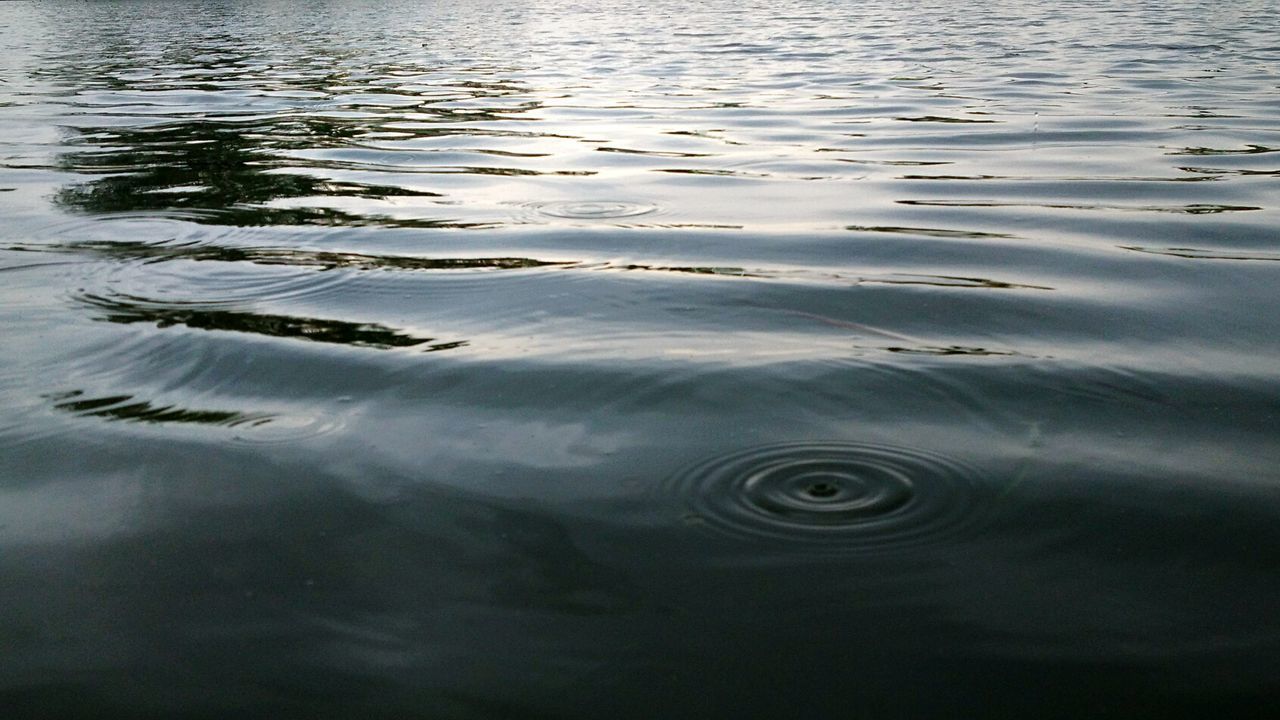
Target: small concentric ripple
[
  {"x": 179, "y": 279},
  {"x": 593, "y": 209},
  {"x": 838, "y": 497},
  {"x": 289, "y": 428}
]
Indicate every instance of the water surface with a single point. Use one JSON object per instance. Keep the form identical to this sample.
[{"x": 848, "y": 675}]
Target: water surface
[{"x": 549, "y": 359}]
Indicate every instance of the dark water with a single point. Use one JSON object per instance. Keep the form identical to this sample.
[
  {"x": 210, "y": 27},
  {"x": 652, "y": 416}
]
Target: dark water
[{"x": 548, "y": 359}]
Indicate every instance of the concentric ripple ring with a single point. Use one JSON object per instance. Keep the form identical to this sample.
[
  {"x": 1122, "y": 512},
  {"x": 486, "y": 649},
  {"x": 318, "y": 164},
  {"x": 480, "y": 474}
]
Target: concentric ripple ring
[
  {"x": 594, "y": 209},
  {"x": 840, "y": 497}
]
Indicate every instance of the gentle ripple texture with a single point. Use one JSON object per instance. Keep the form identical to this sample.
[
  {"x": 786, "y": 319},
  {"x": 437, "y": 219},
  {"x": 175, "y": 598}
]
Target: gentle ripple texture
[{"x": 549, "y": 358}]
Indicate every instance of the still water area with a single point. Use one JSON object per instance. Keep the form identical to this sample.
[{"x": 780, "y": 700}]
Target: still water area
[{"x": 555, "y": 359}]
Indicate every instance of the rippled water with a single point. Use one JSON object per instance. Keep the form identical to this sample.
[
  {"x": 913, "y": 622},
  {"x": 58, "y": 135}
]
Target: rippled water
[{"x": 548, "y": 359}]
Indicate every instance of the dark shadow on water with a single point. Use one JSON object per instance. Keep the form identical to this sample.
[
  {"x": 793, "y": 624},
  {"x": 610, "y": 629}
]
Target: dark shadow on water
[
  {"x": 1249, "y": 149},
  {"x": 1214, "y": 172},
  {"x": 942, "y": 119},
  {"x": 1194, "y": 209},
  {"x": 218, "y": 173},
  {"x": 950, "y": 350},
  {"x": 324, "y": 261},
  {"x": 959, "y": 281},
  {"x": 132, "y": 250},
  {"x": 689, "y": 270},
  {"x": 370, "y": 335},
  {"x": 1205, "y": 254},
  {"x": 126, "y": 408},
  {"x": 238, "y": 164},
  {"x": 929, "y": 232}
]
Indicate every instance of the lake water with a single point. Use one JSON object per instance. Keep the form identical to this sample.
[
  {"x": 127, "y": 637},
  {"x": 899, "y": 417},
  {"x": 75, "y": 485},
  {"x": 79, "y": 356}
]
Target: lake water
[{"x": 540, "y": 358}]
